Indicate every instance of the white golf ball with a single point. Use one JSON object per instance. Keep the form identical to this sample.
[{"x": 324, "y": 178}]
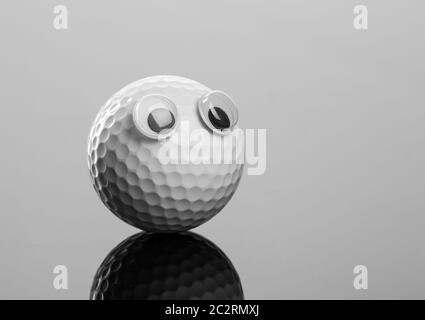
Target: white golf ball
[{"x": 165, "y": 153}]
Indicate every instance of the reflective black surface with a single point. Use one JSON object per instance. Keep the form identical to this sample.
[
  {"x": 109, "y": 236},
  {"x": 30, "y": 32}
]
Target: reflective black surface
[{"x": 166, "y": 266}]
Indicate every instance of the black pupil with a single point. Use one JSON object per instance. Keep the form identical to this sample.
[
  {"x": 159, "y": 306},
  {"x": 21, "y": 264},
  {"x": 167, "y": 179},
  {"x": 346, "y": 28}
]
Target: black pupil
[
  {"x": 218, "y": 118},
  {"x": 161, "y": 119}
]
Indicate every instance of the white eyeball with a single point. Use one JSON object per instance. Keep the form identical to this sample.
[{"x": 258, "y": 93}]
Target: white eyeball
[
  {"x": 156, "y": 116},
  {"x": 218, "y": 112}
]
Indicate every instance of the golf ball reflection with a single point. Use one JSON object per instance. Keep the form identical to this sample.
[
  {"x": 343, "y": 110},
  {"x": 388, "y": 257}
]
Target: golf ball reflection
[{"x": 166, "y": 266}]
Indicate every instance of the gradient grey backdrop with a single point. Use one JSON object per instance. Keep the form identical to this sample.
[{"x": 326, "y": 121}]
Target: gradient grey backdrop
[{"x": 344, "y": 112}]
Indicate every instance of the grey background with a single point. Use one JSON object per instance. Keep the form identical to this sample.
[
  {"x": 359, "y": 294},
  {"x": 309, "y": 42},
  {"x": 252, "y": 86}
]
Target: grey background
[{"x": 343, "y": 109}]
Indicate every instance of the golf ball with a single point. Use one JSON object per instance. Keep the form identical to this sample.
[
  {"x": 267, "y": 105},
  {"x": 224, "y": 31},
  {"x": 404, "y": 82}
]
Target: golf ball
[
  {"x": 165, "y": 153},
  {"x": 166, "y": 266}
]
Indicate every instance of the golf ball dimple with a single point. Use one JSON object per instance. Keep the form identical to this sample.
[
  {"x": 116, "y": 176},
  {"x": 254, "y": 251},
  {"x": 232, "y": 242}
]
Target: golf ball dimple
[
  {"x": 183, "y": 186},
  {"x": 166, "y": 266}
]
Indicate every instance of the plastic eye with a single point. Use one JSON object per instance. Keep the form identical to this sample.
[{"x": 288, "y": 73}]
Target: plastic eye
[
  {"x": 155, "y": 116},
  {"x": 218, "y": 112}
]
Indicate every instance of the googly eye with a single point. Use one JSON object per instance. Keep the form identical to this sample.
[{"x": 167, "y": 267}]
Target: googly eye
[
  {"x": 155, "y": 116},
  {"x": 218, "y": 112}
]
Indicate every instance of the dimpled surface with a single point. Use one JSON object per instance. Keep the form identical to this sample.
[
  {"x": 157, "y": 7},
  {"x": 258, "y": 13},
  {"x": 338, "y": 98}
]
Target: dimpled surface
[
  {"x": 131, "y": 180},
  {"x": 166, "y": 266}
]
